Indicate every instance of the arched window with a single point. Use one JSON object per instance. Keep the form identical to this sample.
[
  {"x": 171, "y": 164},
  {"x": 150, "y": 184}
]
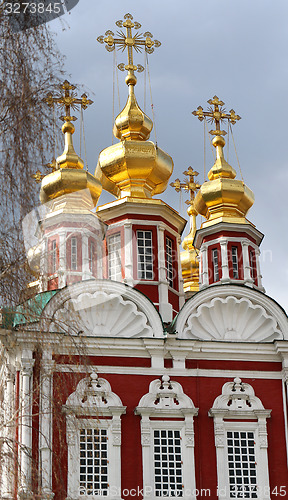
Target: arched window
[
  {"x": 167, "y": 436},
  {"x": 241, "y": 442},
  {"x": 93, "y": 421}
]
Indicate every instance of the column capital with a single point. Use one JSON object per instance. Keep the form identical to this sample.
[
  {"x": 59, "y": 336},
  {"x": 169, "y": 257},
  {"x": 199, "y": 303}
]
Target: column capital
[
  {"x": 47, "y": 366},
  {"x": 27, "y": 365}
]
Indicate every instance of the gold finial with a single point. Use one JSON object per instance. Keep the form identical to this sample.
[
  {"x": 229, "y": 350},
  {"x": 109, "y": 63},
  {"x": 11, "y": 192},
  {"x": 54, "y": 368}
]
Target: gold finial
[
  {"x": 129, "y": 42},
  {"x": 223, "y": 198},
  {"x": 216, "y": 113},
  {"x": 67, "y": 99},
  {"x": 189, "y": 185},
  {"x": 38, "y": 176},
  {"x": 52, "y": 165},
  {"x": 68, "y": 175},
  {"x": 189, "y": 258}
]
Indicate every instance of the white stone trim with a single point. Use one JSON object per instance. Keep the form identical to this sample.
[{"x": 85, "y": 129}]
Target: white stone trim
[
  {"x": 45, "y": 423},
  {"x": 257, "y": 299},
  {"x": 238, "y": 401},
  {"x": 165, "y": 400},
  {"x": 26, "y": 391},
  {"x": 89, "y": 301}
]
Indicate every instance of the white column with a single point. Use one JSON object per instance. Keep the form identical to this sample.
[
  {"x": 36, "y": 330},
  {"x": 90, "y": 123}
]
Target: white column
[
  {"x": 259, "y": 275},
  {"x": 165, "y": 308},
  {"x": 8, "y": 447},
  {"x": 246, "y": 264},
  {"x": 180, "y": 280},
  {"x": 204, "y": 267},
  {"x": 27, "y": 364},
  {"x": 45, "y": 444},
  {"x": 62, "y": 270},
  {"x": 224, "y": 262},
  {"x": 86, "y": 274},
  {"x": 128, "y": 257}
]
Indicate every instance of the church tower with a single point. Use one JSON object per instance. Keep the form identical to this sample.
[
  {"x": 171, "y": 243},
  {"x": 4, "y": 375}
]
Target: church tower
[
  {"x": 143, "y": 235},
  {"x": 116, "y": 381},
  {"x": 227, "y": 241}
]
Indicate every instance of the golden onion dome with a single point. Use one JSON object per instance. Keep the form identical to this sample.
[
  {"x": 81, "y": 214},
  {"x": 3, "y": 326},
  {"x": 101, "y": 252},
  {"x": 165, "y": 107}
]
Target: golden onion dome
[
  {"x": 69, "y": 175},
  {"x": 223, "y": 198},
  {"x": 189, "y": 258},
  {"x": 133, "y": 167}
]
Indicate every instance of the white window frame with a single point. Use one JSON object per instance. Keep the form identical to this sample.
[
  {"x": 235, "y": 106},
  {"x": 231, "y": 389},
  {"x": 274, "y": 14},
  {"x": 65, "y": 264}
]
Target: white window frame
[
  {"x": 238, "y": 402},
  {"x": 114, "y": 257},
  {"x": 74, "y": 256},
  {"x": 99, "y": 408},
  {"x": 142, "y": 272},
  {"x": 166, "y": 393}
]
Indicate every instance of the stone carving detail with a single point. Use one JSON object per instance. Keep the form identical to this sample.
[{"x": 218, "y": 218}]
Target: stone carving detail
[
  {"x": 165, "y": 394},
  {"x": 232, "y": 319},
  {"x": 102, "y": 314},
  {"x": 237, "y": 396},
  {"x": 92, "y": 394},
  {"x": 219, "y": 434}
]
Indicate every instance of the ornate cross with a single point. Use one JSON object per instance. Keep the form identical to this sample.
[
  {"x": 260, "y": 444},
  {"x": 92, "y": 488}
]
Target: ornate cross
[
  {"x": 189, "y": 185},
  {"x": 216, "y": 113},
  {"x": 67, "y": 99},
  {"x": 127, "y": 40}
]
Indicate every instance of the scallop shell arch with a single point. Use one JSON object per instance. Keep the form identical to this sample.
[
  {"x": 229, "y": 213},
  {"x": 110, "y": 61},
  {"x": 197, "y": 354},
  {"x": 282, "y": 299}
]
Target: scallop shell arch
[
  {"x": 231, "y": 319},
  {"x": 102, "y": 308}
]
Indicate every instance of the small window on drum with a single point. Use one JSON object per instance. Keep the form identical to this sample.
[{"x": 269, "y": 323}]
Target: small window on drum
[
  {"x": 74, "y": 254},
  {"x": 215, "y": 263},
  {"x": 53, "y": 257},
  {"x": 144, "y": 255},
  {"x": 169, "y": 262},
  {"x": 252, "y": 264},
  {"x": 91, "y": 255},
  {"x": 235, "y": 262}
]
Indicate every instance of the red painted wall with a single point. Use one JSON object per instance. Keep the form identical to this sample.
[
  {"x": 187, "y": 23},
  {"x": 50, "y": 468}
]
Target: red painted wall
[{"x": 203, "y": 391}]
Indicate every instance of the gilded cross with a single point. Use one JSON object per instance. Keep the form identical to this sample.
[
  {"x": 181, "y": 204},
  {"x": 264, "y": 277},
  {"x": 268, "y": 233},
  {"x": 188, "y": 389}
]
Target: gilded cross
[
  {"x": 129, "y": 41},
  {"x": 67, "y": 99},
  {"x": 216, "y": 113},
  {"x": 189, "y": 185}
]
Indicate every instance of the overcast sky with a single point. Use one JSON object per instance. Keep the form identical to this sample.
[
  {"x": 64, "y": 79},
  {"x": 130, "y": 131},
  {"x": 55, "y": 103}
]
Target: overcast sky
[{"x": 234, "y": 49}]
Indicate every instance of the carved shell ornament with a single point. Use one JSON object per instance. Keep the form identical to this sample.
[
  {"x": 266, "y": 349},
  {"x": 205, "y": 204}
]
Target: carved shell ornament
[
  {"x": 102, "y": 314},
  {"x": 231, "y": 319}
]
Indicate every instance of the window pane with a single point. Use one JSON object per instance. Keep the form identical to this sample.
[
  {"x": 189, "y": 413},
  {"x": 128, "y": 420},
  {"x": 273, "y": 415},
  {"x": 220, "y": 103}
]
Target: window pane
[
  {"x": 169, "y": 261},
  {"x": 242, "y": 466},
  {"x": 235, "y": 262},
  {"x": 94, "y": 463},
  {"x": 114, "y": 257},
  {"x": 73, "y": 254},
  {"x": 168, "y": 475},
  {"x": 215, "y": 264},
  {"x": 144, "y": 255}
]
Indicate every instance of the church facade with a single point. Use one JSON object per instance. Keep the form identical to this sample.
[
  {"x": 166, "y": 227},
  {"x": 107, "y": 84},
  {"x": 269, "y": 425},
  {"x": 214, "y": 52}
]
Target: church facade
[{"x": 135, "y": 370}]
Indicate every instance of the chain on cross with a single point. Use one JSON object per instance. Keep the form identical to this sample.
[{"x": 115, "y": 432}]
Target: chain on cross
[
  {"x": 189, "y": 185},
  {"x": 129, "y": 41},
  {"x": 216, "y": 113},
  {"x": 67, "y": 99}
]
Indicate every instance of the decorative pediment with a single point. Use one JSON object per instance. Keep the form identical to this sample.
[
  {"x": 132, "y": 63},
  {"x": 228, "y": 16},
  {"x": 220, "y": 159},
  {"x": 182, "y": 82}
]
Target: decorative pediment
[
  {"x": 238, "y": 400},
  {"x": 164, "y": 395},
  {"x": 102, "y": 308},
  {"x": 93, "y": 395},
  {"x": 243, "y": 316}
]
